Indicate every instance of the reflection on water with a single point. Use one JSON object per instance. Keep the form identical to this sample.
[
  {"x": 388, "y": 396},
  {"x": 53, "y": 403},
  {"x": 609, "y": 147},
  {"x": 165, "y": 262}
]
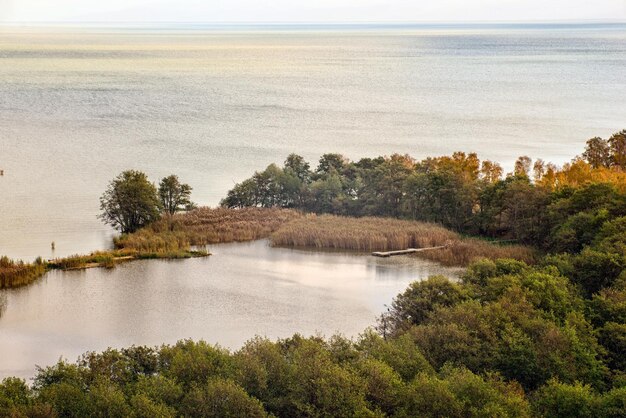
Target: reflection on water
[
  {"x": 3, "y": 303},
  {"x": 242, "y": 290}
]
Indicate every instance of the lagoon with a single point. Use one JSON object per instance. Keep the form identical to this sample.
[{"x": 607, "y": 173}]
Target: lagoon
[{"x": 243, "y": 290}]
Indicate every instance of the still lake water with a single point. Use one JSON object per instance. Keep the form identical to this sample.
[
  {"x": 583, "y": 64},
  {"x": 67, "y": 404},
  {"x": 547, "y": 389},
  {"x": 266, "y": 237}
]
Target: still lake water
[
  {"x": 213, "y": 105},
  {"x": 243, "y": 290}
]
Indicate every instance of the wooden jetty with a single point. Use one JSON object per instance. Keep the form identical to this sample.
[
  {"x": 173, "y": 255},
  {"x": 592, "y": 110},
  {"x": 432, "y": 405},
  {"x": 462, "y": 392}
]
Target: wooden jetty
[{"x": 407, "y": 251}]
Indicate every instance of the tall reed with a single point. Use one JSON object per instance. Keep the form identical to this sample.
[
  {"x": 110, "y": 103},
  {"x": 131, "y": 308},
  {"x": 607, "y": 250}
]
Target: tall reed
[
  {"x": 463, "y": 252},
  {"x": 100, "y": 258},
  {"x": 360, "y": 234},
  {"x": 17, "y": 273},
  {"x": 204, "y": 226},
  {"x": 387, "y": 234}
]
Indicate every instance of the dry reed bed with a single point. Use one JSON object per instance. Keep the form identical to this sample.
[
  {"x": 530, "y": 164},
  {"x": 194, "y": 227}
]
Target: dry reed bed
[
  {"x": 204, "y": 226},
  {"x": 463, "y": 252},
  {"x": 385, "y": 234},
  {"x": 98, "y": 258},
  {"x": 360, "y": 234},
  {"x": 212, "y": 226},
  {"x": 18, "y": 273}
]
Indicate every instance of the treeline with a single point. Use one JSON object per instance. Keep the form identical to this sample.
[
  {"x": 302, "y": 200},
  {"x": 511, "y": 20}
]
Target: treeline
[
  {"x": 296, "y": 377},
  {"x": 509, "y": 340},
  {"x": 457, "y": 191}
]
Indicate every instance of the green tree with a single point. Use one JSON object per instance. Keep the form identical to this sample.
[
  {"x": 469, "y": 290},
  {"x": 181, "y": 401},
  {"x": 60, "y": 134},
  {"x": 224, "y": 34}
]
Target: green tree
[
  {"x": 420, "y": 300},
  {"x": 326, "y": 194},
  {"x": 14, "y": 393},
  {"x": 597, "y": 153},
  {"x": 617, "y": 142},
  {"x": 243, "y": 195},
  {"x": 330, "y": 163},
  {"x": 299, "y": 167},
  {"x": 384, "y": 192},
  {"x": 221, "y": 398},
  {"x": 559, "y": 400},
  {"x": 613, "y": 339},
  {"x": 129, "y": 202},
  {"x": 144, "y": 407},
  {"x": 174, "y": 195},
  {"x": 594, "y": 270},
  {"x": 400, "y": 353},
  {"x": 108, "y": 401}
]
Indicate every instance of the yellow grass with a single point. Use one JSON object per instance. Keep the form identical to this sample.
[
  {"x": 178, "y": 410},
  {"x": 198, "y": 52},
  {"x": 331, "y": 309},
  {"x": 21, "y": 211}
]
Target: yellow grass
[
  {"x": 204, "y": 226},
  {"x": 360, "y": 234},
  {"x": 17, "y": 273},
  {"x": 98, "y": 258},
  {"x": 463, "y": 252},
  {"x": 386, "y": 234}
]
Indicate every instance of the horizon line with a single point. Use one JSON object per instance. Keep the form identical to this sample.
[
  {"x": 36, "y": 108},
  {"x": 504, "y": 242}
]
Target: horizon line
[{"x": 315, "y": 23}]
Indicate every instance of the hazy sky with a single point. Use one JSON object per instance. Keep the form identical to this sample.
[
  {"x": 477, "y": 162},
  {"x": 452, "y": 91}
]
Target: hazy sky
[{"x": 308, "y": 10}]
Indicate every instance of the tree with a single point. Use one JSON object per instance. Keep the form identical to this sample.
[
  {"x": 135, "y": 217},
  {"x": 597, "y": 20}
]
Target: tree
[
  {"x": 617, "y": 142},
  {"x": 597, "y": 153},
  {"x": 558, "y": 399},
  {"x": 382, "y": 195},
  {"x": 221, "y": 398},
  {"x": 539, "y": 169},
  {"x": 299, "y": 167},
  {"x": 129, "y": 202},
  {"x": 420, "y": 300},
  {"x": 491, "y": 172},
  {"x": 174, "y": 195},
  {"x": 244, "y": 194},
  {"x": 522, "y": 166},
  {"x": 331, "y": 163}
]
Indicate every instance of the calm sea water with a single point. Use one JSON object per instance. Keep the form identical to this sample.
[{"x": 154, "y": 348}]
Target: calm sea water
[
  {"x": 215, "y": 104},
  {"x": 241, "y": 291}
]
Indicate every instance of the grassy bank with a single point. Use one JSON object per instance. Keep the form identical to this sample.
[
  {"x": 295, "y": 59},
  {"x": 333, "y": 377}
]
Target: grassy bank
[
  {"x": 111, "y": 258},
  {"x": 17, "y": 273},
  {"x": 386, "y": 234}
]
